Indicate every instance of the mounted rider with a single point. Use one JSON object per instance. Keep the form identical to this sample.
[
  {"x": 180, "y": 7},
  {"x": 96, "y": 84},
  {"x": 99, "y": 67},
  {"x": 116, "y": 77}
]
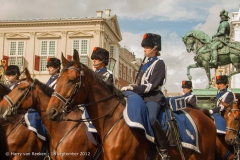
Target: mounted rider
[
  {"x": 190, "y": 98},
  {"x": 53, "y": 67},
  {"x": 150, "y": 79},
  {"x": 223, "y": 95},
  {"x": 12, "y": 73},
  {"x": 221, "y": 38},
  {"x": 100, "y": 58}
]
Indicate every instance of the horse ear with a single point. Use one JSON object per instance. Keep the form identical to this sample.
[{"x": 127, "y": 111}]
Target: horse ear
[
  {"x": 28, "y": 75},
  {"x": 76, "y": 56},
  {"x": 64, "y": 60}
]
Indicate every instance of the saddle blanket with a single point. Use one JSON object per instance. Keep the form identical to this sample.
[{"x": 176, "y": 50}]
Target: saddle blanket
[
  {"x": 135, "y": 115},
  {"x": 220, "y": 123},
  {"x": 35, "y": 124}
]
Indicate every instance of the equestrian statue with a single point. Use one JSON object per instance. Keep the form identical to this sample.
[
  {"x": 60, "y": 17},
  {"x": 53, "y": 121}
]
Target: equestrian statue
[{"x": 211, "y": 53}]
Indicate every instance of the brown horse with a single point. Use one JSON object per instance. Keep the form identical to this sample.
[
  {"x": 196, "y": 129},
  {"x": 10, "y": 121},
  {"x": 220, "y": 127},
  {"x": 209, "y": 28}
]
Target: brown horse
[
  {"x": 21, "y": 141},
  {"x": 105, "y": 104},
  {"x": 3, "y": 145},
  {"x": 68, "y": 140}
]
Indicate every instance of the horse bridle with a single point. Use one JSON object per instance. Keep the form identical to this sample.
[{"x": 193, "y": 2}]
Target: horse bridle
[
  {"x": 67, "y": 102},
  {"x": 235, "y": 131},
  {"x": 13, "y": 108}
]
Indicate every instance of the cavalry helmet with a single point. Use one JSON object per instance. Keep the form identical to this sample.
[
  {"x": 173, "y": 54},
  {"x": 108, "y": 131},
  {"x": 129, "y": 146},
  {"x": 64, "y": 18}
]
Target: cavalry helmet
[
  {"x": 101, "y": 54},
  {"x": 12, "y": 70},
  {"x": 222, "y": 79},
  {"x": 187, "y": 84}
]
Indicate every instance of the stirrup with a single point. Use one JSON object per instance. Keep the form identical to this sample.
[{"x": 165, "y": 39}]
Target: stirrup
[{"x": 163, "y": 157}]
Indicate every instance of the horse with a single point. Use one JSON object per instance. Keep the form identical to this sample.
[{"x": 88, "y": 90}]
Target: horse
[
  {"x": 232, "y": 117},
  {"x": 68, "y": 140},
  {"x": 3, "y": 144},
  {"x": 200, "y": 43},
  {"x": 78, "y": 84},
  {"x": 21, "y": 141}
]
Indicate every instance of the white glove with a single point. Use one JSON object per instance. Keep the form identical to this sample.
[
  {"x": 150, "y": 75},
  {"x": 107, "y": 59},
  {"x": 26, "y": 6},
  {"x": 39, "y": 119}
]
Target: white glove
[
  {"x": 127, "y": 88},
  {"x": 211, "y": 111}
]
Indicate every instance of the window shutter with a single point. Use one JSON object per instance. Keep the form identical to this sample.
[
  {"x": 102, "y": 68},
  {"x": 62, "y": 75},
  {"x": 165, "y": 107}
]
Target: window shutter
[
  {"x": 6, "y": 58},
  {"x": 37, "y": 63},
  {"x": 69, "y": 57}
]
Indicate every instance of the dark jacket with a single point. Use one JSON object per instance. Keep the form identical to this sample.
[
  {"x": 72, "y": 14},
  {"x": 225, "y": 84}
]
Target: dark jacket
[
  {"x": 150, "y": 81},
  {"x": 106, "y": 75},
  {"x": 225, "y": 96},
  {"x": 52, "y": 81},
  {"x": 191, "y": 99}
]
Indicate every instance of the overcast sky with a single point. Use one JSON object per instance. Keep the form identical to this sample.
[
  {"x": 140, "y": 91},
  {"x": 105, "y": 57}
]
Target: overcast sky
[{"x": 172, "y": 19}]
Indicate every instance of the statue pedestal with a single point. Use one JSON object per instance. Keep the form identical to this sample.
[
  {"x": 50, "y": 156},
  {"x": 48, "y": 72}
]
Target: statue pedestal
[{"x": 206, "y": 97}]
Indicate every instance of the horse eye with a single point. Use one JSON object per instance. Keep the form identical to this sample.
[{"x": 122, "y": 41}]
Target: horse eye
[
  {"x": 236, "y": 119},
  {"x": 70, "y": 81},
  {"x": 21, "y": 88}
]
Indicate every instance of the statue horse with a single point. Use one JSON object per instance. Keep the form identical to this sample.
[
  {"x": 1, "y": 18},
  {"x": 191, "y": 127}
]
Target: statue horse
[
  {"x": 78, "y": 84},
  {"x": 200, "y": 43},
  {"x": 19, "y": 138},
  {"x": 68, "y": 140}
]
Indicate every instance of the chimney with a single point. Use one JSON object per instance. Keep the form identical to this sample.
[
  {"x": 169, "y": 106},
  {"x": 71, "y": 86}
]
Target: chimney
[
  {"x": 99, "y": 14},
  {"x": 107, "y": 12}
]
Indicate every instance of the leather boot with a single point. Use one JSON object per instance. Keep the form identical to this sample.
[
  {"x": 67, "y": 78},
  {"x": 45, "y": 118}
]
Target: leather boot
[
  {"x": 214, "y": 58},
  {"x": 160, "y": 140}
]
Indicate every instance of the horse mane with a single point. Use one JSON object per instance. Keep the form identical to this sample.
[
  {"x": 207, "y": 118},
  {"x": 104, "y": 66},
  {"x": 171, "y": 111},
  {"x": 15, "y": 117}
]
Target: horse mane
[
  {"x": 200, "y": 35},
  {"x": 46, "y": 89},
  {"x": 118, "y": 94},
  {"x": 5, "y": 88}
]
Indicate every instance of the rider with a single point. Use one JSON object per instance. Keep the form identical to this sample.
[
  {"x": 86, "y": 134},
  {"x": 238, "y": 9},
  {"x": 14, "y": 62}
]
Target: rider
[
  {"x": 221, "y": 37},
  {"x": 190, "y": 98},
  {"x": 12, "y": 73},
  {"x": 151, "y": 78},
  {"x": 100, "y": 57},
  {"x": 53, "y": 66},
  {"x": 223, "y": 95}
]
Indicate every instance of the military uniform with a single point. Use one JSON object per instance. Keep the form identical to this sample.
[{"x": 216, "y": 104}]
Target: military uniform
[
  {"x": 148, "y": 85},
  {"x": 190, "y": 98},
  {"x": 222, "y": 35},
  {"x": 103, "y": 55},
  {"x": 224, "y": 95},
  {"x": 54, "y": 62},
  {"x": 13, "y": 70},
  {"x": 106, "y": 74},
  {"x": 52, "y": 81}
]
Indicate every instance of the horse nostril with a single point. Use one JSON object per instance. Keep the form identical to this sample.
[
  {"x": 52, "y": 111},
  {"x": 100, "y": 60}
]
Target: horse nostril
[{"x": 53, "y": 112}]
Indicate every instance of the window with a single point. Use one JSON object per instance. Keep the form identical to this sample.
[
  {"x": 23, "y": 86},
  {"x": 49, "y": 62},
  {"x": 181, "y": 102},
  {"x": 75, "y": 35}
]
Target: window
[
  {"x": 111, "y": 51},
  {"x": 124, "y": 71},
  {"x": 48, "y": 50},
  {"x": 120, "y": 70},
  {"x": 16, "y": 55},
  {"x": 82, "y": 47}
]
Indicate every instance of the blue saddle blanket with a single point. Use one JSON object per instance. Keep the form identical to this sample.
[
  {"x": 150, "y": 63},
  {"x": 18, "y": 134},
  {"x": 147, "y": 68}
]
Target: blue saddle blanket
[
  {"x": 220, "y": 123},
  {"x": 136, "y": 117},
  {"x": 35, "y": 124}
]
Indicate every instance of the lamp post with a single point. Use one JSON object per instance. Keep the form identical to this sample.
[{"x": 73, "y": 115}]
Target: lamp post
[{"x": 111, "y": 63}]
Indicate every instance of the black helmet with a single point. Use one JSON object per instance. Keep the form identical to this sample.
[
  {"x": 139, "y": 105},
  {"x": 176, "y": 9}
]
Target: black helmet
[
  {"x": 222, "y": 79},
  {"x": 187, "y": 84},
  {"x": 54, "y": 62},
  {"x": 151, "y": 40},
  {"x": 12, "y": 70},
  {"x": 101, "y": 54}
]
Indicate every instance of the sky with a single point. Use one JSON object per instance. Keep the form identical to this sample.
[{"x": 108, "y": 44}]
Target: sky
[{"x": 172, "y": 19}]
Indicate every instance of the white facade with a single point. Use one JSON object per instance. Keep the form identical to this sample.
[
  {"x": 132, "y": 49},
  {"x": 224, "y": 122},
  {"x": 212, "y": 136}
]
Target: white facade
[
  {"x": 235, "y": 36},
  {"x": 28, "y": 43}
]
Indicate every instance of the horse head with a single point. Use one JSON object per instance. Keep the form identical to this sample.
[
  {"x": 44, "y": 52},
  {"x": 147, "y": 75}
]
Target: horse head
[
  {"x": 189, "y": 41},
  {"x": 69, "y": 84},
  {"x": 19, "y": 95},
  {"x": 232, "y": 122}
]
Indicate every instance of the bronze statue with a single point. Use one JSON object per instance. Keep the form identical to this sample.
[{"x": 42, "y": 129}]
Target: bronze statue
[{"x": 213, "y": 53}]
